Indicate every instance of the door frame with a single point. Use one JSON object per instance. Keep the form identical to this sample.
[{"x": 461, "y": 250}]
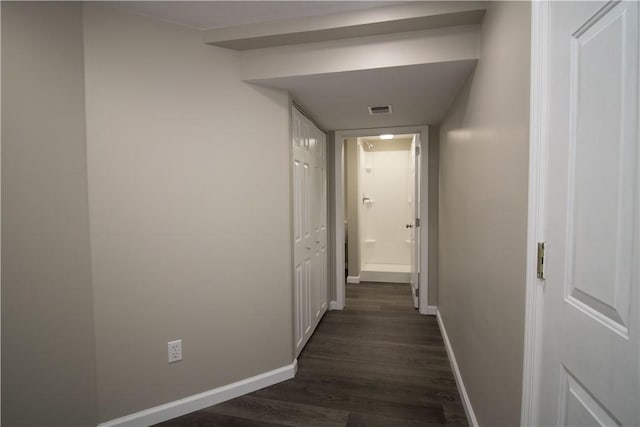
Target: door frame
[
  {"x": 538, "y": 143},
  {"x": 337, "y": 214}
]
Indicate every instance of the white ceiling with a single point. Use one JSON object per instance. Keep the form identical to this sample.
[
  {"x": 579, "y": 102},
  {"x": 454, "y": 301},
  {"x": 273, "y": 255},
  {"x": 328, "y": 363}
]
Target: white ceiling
[
  {"x": 419, "y": 94},
  {"x": 206, "y": 15}
]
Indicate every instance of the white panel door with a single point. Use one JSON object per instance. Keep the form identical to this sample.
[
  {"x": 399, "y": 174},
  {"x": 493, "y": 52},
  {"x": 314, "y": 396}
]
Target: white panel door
[
  {"x": 301, "y": 228},
  {"x": 414, "y": 213},
  {"x": 590, "y": 369},
  {"x": 309, "y": 227},
  {"x": 320, "y": 225}
]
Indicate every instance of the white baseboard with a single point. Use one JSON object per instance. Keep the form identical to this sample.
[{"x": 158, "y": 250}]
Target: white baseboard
[
  {"x": 353, "y": 279},
  {"x": 333, "y": 305},
  {"x": 199, "y": 401},
  {"x": 471, "y": 416},
  {"x": 430, "y": 310},
  {"x": 385, "y": 276}
]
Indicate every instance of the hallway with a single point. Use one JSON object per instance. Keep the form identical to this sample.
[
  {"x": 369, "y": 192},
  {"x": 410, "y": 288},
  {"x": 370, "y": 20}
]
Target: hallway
[{"x": 377, "y": 363}]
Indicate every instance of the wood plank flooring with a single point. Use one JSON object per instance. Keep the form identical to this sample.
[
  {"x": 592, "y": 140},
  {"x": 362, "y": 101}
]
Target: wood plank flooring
[{"x": 377, "y": 363}]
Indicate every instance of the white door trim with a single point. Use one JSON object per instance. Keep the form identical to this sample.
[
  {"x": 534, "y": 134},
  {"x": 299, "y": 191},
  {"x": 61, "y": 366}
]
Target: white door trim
[
  {"x": 538, "y": 139},
  {"x": 338, "y": 212}
]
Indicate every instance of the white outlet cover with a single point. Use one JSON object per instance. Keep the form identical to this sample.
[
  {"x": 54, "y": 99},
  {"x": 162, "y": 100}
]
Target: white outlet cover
[{"x": 175, "y": 351}]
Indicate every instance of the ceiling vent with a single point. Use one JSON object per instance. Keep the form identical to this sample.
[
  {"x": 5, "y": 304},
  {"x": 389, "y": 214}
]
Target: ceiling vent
[{"x": 374, "y": 110}]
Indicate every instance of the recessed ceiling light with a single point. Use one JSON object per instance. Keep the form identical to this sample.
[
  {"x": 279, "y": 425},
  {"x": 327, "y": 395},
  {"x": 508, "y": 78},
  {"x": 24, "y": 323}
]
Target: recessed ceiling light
[{"x": 386, "y": 136}]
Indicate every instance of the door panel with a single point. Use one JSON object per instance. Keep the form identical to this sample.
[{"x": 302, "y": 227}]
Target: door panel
[
  {"x": 578, "y": 406},
  {"x": 600, "y": 285},
  {"x": 309, "y": 227},
  {"x": 590, "y": 372},
  {"x": 321, "y": 238},
  {"x": 306, "y": 308},
  {"x": 298, "y": 298}
]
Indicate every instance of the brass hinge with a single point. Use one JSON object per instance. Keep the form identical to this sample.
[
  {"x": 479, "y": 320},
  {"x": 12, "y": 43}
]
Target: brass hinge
[{"x": 540, "y": 267}]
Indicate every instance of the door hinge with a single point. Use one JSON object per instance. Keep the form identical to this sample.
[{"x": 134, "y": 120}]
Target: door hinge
[
  {"x": 417, "y": 150},
  {"x": 540, "y": 263},
  {"x": 417, "y": 222},
  {"x": 417, "y": 292}
]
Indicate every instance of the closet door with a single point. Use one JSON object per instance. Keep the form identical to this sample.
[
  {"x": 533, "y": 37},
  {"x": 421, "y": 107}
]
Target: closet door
[
  {"x": 319, "y": 221},
  {"x": 309, "y": 227}
]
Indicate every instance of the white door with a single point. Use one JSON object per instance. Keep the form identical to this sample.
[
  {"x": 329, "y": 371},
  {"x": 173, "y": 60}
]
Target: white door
[
  {"x": 414, "y": 215},
  {"x": 590, "y": 370},
  {"x": 309, "y": 228},
  {"x": 317, "y": 147},
  {"x": 301, "y": 228}
]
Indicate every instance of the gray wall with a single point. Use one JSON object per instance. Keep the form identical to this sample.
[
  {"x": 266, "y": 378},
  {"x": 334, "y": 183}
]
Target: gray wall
[
  {"x": 48, "y": 369},
  {"x": 190, "y": 213},
  {"x": 483, "y": 214},
  {"x": 158, "y": 209}
]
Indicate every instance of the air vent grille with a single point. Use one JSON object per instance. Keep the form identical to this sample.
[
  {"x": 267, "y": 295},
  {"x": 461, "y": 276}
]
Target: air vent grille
[{"x": 374, "y": 110}]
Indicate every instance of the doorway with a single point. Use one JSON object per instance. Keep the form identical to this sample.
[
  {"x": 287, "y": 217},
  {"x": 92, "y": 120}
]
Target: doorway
[
  {"x": 385, "y": 181},
  {"x": 390, "y": 179}
]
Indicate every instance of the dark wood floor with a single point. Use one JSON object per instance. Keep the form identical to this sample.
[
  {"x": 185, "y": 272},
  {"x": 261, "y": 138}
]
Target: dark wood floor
[{"x": 377, "y": 363}]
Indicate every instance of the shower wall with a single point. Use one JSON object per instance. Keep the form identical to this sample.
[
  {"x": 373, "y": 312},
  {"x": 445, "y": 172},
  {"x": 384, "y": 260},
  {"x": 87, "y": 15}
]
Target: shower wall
[
  {"x": 384, "y": 207},
  {"x": 351, "y": 201}
]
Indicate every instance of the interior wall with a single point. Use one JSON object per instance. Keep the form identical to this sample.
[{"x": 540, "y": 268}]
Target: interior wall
[
  {"x": 48, "y": 363},
  {"x": 433, "y": 211},
  {"x": 331, "y": 228},
  {"x": 190, "y": 213},
  {"x": 483, "y": 215},
  {"x": 351, "y": 202}
]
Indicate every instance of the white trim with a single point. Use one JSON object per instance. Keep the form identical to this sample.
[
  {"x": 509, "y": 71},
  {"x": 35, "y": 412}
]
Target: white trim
[
  {"x": 385, "y": 276},
  {"x": 333, "y": 305},
  {"x": 471, "y": 416},
  {"x": 338, "y": 199},
  {"x": 353, "y": 279},
  {"x": 423, "y": 278},
  {"x": 429, "y": 310},
  {"x": 338, "y": 220},
  {"x": 292, "y": 242},
  {"x": 199, "y": 401},
  {"x": 536, "y": 200}
]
